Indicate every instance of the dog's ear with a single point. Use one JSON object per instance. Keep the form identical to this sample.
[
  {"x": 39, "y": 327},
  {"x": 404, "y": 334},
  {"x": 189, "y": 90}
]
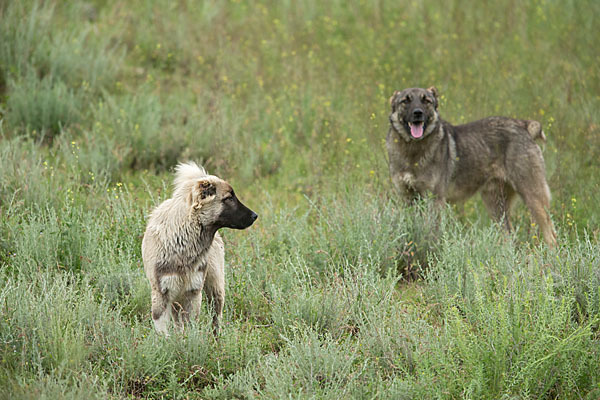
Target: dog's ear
[
  {"x": 435, "y": 93},
  {"x": 207, "y": 189},
  {"x": 200, "y": 193},
  {"x": 433, "y": 90},
  {"x": 392, "y": 99}
]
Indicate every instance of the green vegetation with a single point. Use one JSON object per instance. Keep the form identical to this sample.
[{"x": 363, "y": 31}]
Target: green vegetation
[{"x": 337, "y": 291}]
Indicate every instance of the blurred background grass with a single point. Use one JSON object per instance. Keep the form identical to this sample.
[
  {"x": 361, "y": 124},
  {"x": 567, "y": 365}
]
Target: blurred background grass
[{"x": 289, "y": 102}]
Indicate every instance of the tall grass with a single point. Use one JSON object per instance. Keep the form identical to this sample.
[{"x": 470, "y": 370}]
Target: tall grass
[{"x": 338, "y": 291}]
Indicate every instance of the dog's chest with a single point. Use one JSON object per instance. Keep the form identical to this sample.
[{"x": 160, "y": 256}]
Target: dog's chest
[
  {"x": 179, "y": 283},
  {"x": 422, "y": 180},
  {"x": 184, "y": 272},
  {"x": 419, "y": 174}
]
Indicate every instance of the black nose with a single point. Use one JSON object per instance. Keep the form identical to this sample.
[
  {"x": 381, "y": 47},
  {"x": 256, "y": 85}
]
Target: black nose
[
  {"x": 254, "y": 216},
  {"x": 418, "y": 113}
]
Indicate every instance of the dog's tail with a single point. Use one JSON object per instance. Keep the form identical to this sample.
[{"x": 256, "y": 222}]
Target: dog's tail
[
  {"x": 535, "y": 131},
  {"x": 186, "y": 173}
]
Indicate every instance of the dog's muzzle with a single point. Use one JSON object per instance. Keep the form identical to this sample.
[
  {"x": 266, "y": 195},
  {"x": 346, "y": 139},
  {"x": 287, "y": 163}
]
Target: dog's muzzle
[
  {"x": 416, "y": 129},
  {"x": 417, "y": 125}
]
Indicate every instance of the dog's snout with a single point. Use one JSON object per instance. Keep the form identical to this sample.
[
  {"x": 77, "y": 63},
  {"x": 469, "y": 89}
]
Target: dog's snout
[
  {"x": 418, "y": 113},
  {"x": 254, "y": 216}
]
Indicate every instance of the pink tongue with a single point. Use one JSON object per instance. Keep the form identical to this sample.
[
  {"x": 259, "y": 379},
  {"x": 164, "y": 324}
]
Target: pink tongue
[{"x": 416, "y": 130}]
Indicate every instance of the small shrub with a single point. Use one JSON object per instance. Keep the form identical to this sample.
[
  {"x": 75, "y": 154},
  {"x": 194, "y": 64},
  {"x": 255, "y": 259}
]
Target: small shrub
[{"x": 42, "y": 108}]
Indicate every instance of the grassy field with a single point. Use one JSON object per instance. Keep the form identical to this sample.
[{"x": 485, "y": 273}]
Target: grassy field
[{"x": 338, "y": 291}]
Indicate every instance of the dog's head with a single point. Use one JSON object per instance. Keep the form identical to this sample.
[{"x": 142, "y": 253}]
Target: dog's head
[
  {"x": 211, "y": 200},
  {"x": 414, "y": 112}
]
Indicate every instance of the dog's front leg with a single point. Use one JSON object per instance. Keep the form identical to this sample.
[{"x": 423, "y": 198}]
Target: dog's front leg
[
  {"x": 439, "y": 203},
  {"x": 161, "y": 311},
  {"x": 403, "y": 182}
]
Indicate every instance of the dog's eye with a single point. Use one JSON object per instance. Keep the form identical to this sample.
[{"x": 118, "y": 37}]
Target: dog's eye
[
  {"x": 405, "y": 100},
  {"x": 426, "y": 100}
]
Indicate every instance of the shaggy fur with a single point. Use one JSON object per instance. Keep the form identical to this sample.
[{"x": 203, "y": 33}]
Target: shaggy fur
[
  {"x": 496, "y": 156},
  {"x": 183, "y": 253}
]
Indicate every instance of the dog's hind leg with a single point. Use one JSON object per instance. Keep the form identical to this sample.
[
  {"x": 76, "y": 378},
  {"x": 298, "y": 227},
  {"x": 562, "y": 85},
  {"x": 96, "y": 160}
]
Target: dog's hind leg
[
  {"x": 190, "y": 305},
  {"x": 498, "y": 197},
  {"x": 527, "y": 173},
  {"x": 214, "y": 288},
  {"x": 538, "y": 202},
  {"x": 215, "y": 297}
]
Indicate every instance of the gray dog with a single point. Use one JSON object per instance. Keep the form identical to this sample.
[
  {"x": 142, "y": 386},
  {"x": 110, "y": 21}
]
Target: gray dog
[{"x": 496, "y": 156}]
